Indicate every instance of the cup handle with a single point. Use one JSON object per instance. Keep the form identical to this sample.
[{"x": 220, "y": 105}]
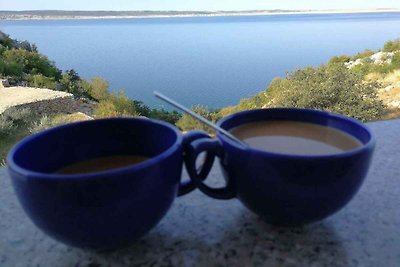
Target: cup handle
[
  {"x": 188, "y": 185},
  {"x": 213, "y": 148}
]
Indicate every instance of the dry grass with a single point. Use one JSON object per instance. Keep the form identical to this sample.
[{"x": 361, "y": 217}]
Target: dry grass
[
  {"x": 11, "y": 133},
  {"x": 389, "y": 93},
  {"x": 392, "y": 78},
  {"x": 374, "y": 77},
  {"x": 68, "y": 118}
]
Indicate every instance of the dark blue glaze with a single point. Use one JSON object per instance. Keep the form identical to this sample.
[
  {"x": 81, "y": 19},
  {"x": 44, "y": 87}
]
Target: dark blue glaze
[
  {"x": 288, "y": 189},
  {"x": 105, "y": 209}
]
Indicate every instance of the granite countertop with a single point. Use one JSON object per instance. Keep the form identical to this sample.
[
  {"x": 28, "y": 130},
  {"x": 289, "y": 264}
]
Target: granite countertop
[{"x": 199, "y": 231}]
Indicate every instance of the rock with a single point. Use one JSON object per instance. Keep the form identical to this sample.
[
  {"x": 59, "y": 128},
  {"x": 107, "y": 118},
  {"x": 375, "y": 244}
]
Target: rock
[
  {"x": 395, "y": 103},
  {"x": 382, "y": 57},
  {"x": 14, "y": 43},
  {"x": 4, "y": 83},
  {"x": 352, "y": 64},
  {"x": 23, "y": 45},
  {"x": 388, "y": 88},
  {"x": 377, "y": 58}
]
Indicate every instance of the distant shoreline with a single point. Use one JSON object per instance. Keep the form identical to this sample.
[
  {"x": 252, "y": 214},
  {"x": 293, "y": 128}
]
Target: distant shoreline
[{"x": 30, "y": 15}]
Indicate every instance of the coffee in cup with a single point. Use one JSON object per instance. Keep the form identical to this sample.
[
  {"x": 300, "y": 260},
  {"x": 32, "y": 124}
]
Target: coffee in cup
[
  {"x": 102, "y": 164},
  {"x": 294, "y": 137}
]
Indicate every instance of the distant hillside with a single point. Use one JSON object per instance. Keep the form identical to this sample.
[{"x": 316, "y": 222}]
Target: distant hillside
[
  {"x": 96, "y": 14},
  {"x": 66, "y": 14}
]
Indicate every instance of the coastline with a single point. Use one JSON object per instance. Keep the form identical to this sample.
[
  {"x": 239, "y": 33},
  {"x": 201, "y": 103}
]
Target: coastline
[{"x": 211, "y": 14}]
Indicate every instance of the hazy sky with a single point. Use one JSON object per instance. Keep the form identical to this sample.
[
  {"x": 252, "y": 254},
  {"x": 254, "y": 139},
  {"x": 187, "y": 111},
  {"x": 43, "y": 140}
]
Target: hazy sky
[{"x": 194, "y": 4}]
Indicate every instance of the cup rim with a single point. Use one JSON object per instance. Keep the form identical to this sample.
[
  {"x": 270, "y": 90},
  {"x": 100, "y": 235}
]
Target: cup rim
[
  {"x": 92, "y": 175},
  {"x": 369, "y": 145}
]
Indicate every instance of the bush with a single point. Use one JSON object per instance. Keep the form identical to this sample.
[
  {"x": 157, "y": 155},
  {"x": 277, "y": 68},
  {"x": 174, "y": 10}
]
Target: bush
[
  {"x": 366, "y": 53},
  {"x": 13, "y": 119},
  {"x": 168, "y": 116},
  {"x": 43, "y": 123},
  {"x": 16, "y": 124},
  {"x": 7, "y": 42},
  {"x": 396, "y": 61},
  {"x": 6, "y": 126},
  {"x": 187, "y": 122},
  {"x": 13, "y": 69},
  {"x": 332, "y": 88},
  {"x": 365, "y": 68},
  {"x": 32, "y": 62},
  {"x": 392, "y": 46},
  {"x": 339, "y": 59},
  {"x": 117, "y": 105},
  {"x": 98, "y": 88},
  {"x": 40, "y": 81}
]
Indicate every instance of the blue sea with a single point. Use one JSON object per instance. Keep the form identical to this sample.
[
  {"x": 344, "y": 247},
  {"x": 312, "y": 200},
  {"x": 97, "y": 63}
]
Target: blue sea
[{"x": 212, "y": 61}]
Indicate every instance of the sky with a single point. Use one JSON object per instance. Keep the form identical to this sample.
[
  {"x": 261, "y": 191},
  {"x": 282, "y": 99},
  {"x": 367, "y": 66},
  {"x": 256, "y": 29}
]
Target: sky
[{"x": 209, "y": 5}]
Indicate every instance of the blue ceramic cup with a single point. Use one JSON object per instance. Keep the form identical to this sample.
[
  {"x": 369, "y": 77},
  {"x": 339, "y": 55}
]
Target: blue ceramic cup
[
  {"x": 283, "y": 188},
  {"x": 105, "y": 209}
]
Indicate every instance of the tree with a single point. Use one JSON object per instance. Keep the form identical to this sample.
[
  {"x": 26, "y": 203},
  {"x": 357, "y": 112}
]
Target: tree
[
  {"x": 71, "y": 83},
  {"x": 32, "y": 62}
]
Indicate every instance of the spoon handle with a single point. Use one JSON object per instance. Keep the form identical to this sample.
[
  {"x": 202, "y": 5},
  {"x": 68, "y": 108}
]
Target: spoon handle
[{"x": 198, "y": 117}]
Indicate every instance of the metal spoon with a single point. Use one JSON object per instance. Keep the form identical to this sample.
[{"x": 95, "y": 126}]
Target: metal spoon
[{"x": 198, "y": 117}]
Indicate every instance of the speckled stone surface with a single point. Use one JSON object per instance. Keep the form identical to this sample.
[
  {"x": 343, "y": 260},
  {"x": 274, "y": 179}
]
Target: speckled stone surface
[{"x": 199, "y": 231}]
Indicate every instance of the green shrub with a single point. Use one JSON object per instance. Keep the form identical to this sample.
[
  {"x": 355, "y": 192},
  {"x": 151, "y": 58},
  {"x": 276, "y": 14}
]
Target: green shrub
[
  {"x": 13, "y": 119},
  {"x": 339, "y": 59},
  {"x": 6, "y": 126},
  {"x": 43, "y": 123},
  {"x": 97, "y": 88},
  {"x": 392, "y": 46},
  {"x": 117, "y": 105},
  {"x": 366, "y": 53},
  {"x": 384, "y": 68},
  {"x": 164, "y": 115},
  {"x": 365, "y": 68},
  {"x": 187, "y": 122},
  {"x": 32, "y": 62},
  {"x": 15, "y": 124},
  {"x": 40, "y": 81},
  {"x": 7, "y": 42},
  {"x": 396, "y": 61},
  {"x": 141, "y": 108},
  {"x": 332, "y": 88},
  {"x": 13, "y": 69},
  {"x": 106, "y": 109}
]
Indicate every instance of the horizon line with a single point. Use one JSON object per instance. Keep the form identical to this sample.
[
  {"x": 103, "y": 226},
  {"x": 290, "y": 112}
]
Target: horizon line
[{"x": 244, "y": 10}]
